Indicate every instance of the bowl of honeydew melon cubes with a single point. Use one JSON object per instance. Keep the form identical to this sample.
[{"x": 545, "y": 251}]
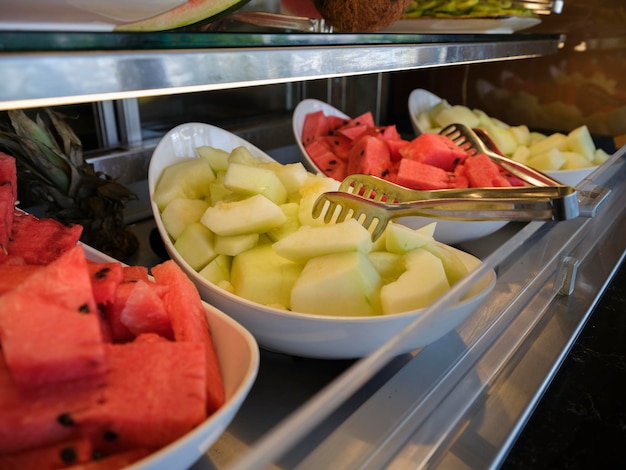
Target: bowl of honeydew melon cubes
[
  {"x": 315, "y": 151},
  {"x": 567, "y": 157},
  {"x": 240, "y": 226}
]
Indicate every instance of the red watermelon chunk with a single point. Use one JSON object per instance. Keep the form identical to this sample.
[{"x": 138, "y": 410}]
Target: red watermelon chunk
[
  {"x": 417, "y": 175},
  {"x": 135, "y": 273},
  {"x": 339, "y": 145},
  {"x": 40, "y": 241},
  {"x": 434, "y": 149},
  {"x": 366, "y": 119},
  {"x": 315, "y": 125},
  {"x": 113, "y": 313},
  {"x": 155, "y": 393},
  {"x": 113, "y": 462},
  {"x": 145, "y": 312},
  {"x": 353, "y": 132},
  {"x": 43, "y": 416},
  {"x": 8, "y": 198},
  {"x": 369, "y": 156},
  {"x": 62, "y": 455},
  {"x": 327, "y": 161},
  {"x": 57, "y": 298},
  {"x": 105, "y": 278},
  {"x": 482, "y": 172},
  {"x": 13, "y": 274},
  {"x": 189, "y": 323}
]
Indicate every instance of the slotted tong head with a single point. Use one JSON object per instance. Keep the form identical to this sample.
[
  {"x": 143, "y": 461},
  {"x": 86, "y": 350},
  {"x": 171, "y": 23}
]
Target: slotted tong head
[{"x": 374, "y": 201}]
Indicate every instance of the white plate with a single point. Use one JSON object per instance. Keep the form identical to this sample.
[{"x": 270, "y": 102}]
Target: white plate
[
  {"x": 290, "y": 332},
  {"x": 449, "y": 232},
  {"x": 78, "y": 15},
  {"x": 506, "y": 25},
  {"x": 238, "y": 356},
  {"x": 421, "y": 100}
]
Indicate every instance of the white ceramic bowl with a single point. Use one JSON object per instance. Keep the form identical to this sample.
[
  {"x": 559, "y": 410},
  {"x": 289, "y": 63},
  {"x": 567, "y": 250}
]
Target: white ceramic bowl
[
  {"x": 295, "y": 333},
  {"x": 238, "y": 356},
  {"x": 449, "y": 232},
  {"x": 420, "y": 100}
]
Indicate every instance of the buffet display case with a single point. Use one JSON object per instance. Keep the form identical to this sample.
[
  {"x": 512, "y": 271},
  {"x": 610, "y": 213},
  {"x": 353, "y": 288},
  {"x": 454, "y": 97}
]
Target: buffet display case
[{"x": 459, "y": 402}]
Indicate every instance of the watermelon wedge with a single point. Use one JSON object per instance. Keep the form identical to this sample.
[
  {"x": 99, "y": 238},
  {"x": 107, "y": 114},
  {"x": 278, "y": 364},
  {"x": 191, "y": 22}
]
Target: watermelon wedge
[
  {"x": 56, "y": 298},
  {"x": 189, "y": 323}
]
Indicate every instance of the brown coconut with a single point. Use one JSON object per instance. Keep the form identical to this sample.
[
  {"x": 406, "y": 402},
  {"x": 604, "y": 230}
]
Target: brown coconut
[{"x": 361, "y": 16}]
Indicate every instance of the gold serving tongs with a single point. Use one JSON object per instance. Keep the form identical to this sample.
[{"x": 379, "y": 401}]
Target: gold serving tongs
[{"x": 374, "y": 201}]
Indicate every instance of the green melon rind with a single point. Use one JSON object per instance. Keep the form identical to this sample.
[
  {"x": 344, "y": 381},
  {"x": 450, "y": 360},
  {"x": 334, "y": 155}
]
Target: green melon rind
[{"x": 190, "y": 13}]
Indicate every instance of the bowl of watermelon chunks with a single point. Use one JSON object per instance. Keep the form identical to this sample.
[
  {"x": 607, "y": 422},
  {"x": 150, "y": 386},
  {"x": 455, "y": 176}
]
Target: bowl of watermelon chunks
[
  {"x": 333, "y": 144},
  {"x": 568, "y": 157},
  {"x": 102, "y": 364}
]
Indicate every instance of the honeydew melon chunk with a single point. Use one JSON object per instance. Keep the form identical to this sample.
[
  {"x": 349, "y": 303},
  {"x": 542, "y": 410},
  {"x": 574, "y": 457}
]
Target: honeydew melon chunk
[
  {"x": 251, "y": 179},
  {"x": 502, "y": 138},
  {"x": 310, "y": 191},
  {"x": 424, "y": 121},
  {"x": 195, "y": 245},
  {"x": 292, "y": 175},
  {"x": 535, "y": 137},
  {"x": 401, "y": 239},
  {"x": 218, "y": 192},
  {"x": 435, "y": 109},
  {"x": 343, "y": 284},
  {"x": 453, "y": 266},
  {"x": 218, "y": 270},
  {"x": 484, "y": 120},
  {"x": 188, "y": 13},
  {"x": 521, "y": 154},
  {"x": 388, "y": 265},
  {"x": 418, "y": 286},
  {"x": 312, "y": 241},
  {"x": 234, "y": 244},
  {"x": 521, "y": 134},
  {"x": 553, "y": 141},
  {"x": 457, "y": 114},
  {"x": 216, "y": 158},
  {"x": 551, "y": 160},
  {"x": 181, "y": 212},
  {"x": 575, "y": 161},
  {"x": 263, "y": 276},
  {"x": 290, "y": 209},
  {"x": 242, "y": 155},
  {"x": 580, "y": 141},
  {"x": 600, "y": 156},
  {"x": 254, "y": 214},
  {"x": 189, "y": 178}
]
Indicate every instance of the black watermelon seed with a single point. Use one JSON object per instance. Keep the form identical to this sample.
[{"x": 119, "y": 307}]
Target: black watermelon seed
[
  {"x": 66, "y": 419},
  {"x": 84, "y": 308},
  {"x": 68, "y": 455},
  {"x": 102, "y": 273}
]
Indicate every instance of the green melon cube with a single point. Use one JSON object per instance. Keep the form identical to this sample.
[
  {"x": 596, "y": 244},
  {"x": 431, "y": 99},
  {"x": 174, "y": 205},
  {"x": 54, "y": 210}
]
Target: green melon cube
[
  {"x": 550, "y": 160},
  {"x": 457, "y": 114},
  {"x": 553, "y": 141},
  {"x": 188, "y": 179},
  {"x": 344, "y": 284},
  {"x": 254, "y": 214},
  {"x": 388, "y": 265},
  {"x": 453, "y": 265},
  {"x": 420, "y": 285},
  {"x": 580, "y": 141},
  {"x": 218, "y": 270},
  {"x": 250, "y": 180},
  {"x": 195, "y": 245},
  {"x": 308, "y": 241},
  {"x": 600, "y": 156},
  {"x": 234, "y": 244},
  {"x": 503, "y": 138},
  {"x": 262, "y": 276},
  {"x": 216, "y": 158},
  {"x": 401, "y": 239},
  {"x": 181, "y": 212},
  {"x": 290, "y": 209},
  {"x": 575, "y": 161},
  {"x": 242, "y": 155}
]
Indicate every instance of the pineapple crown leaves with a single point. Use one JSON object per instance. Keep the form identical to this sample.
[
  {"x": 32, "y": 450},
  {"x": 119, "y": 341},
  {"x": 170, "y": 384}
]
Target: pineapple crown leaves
[{"x": 53, "y": 158}]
